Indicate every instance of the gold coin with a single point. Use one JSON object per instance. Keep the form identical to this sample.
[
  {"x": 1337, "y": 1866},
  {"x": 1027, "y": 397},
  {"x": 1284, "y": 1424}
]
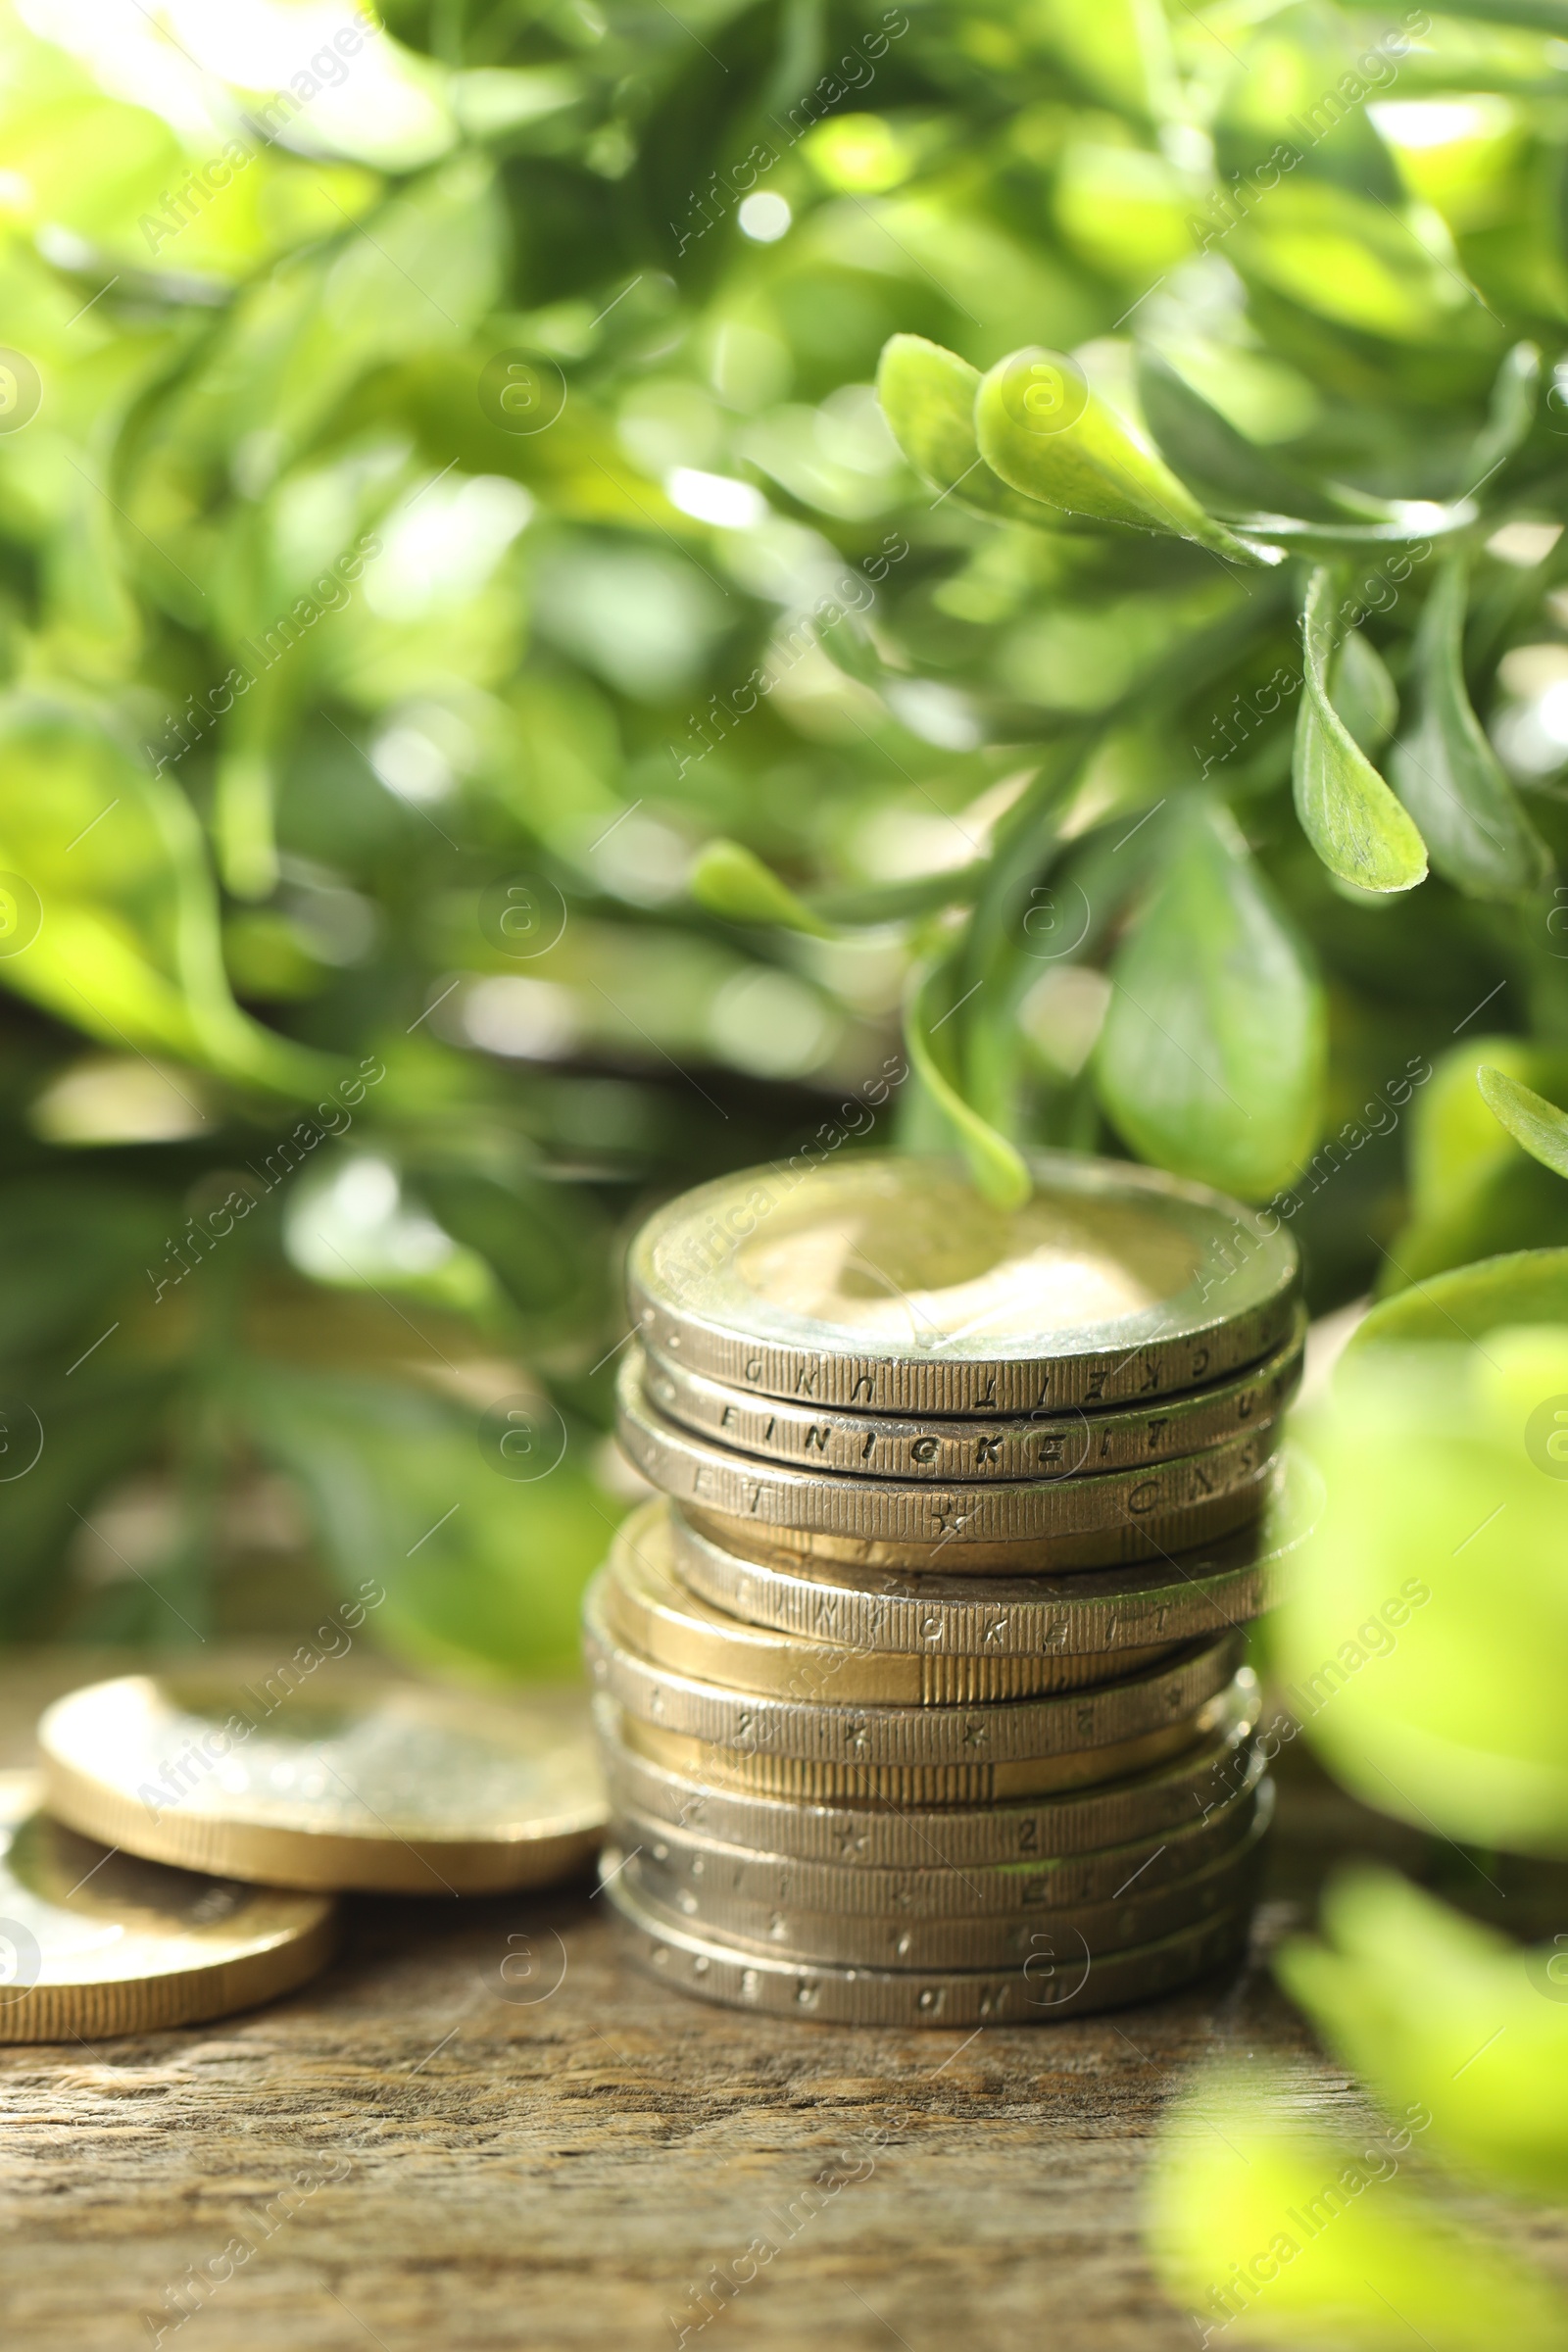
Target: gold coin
[
  {"x": 648, "y": 1609},
  {"x": 885, "y": 1510},
  {"x": 393, "y": 1786},
  {"x": 756, "y": 1723},
  {"x": 94, "y": 1942},
  {"x": 886, "y": 1284},
  {"x": 700, "y": 1867},
  {"x": 847, "y": 1938},
  {"x": 1064, "y": 1444},
  {"x": 1096, "y": 1614},
  {"x": 868, "y": 1833},
  {"x": 1049, "y": 1985},
  {"x": 1046, "y": 1555},
  {"x": 826, "y": 1780}
]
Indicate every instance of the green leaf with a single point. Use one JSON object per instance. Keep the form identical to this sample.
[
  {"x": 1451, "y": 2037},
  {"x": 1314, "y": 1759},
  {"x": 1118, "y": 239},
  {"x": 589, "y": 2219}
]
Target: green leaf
[
  {"x": 1312, "y": 2238},
  {"x": 1485, "y": 2046},
  {"x": 1210, "y": 1061},
  {"x": 927, "y": 397},
  {"x": 1348, "y": 812},
  {"x": 1529, "y": 1117},
  {"x": 1046, "y": 432},
  {"x": 728, "y": 880},
  {"x": 1523, "y": 1286},
  {"x": 1447, "y": 772},
  {"x": 996, "y": 1166},
  {"x": 1208, "y": 452},
  {"x": 1510, "y": 414},
  {"x": 127, "y": 944},
  {"x": 1364, "y": 693}
]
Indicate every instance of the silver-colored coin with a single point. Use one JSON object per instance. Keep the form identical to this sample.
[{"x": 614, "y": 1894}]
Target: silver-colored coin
[
  {"x": 649, "y": 1609},
  {"x": 982, "y": 1511},
  {"x": 1142, "y": 1914},
  {"x": 887, "y": 1285},
  {"x": 1071, "y": 1983},
  {"x": 1071, "y": 1444},
  {"x": 1085, "y": 1612},
  {"x": 1033, "y": 1555},
  {"x": 756, "y": 1723},
  {"x": 1174, "y": 1794},
  {"x": 702, "y": 1867}
]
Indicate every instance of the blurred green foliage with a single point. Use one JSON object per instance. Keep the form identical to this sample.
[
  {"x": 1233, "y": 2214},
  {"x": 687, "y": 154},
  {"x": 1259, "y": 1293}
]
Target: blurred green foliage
[{"x": 498, "y": 718}]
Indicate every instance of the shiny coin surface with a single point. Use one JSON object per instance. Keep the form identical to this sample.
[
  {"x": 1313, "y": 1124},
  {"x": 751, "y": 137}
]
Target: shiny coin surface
[
  {"x": 647, "y": 1609},
  {"x": 1091, "y": 1613},
  {"x": 1045, "y": 1987},
  {"x": 887, "y": 1285},
  {"x": 1074, "y": 1444},
  {"x": 1038, "y": 1555},
  {"x": 695, "y": 1471},
  {"x": 824, "y": 1780},
  {"x": 698, "y": 1867},
  {"x": 753, "y": 1723},
  {"x": 395, "y": 1786},
  {"x": 1140, "y": 1914},
  {"x": 865, "y": 1832},
  {"x": 94, "y": 1942}
]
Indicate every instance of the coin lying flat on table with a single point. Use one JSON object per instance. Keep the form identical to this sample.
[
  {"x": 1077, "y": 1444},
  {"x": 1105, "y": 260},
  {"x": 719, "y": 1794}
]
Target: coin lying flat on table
[
  {"x": 1069, "y": 1443},
  {"x": 1048, "y": 1985},
  {"x": 647, "y": 1609},
  {"x": 887, "y": 1285},
  {"x": 1037, "y": 1621},
  {"x": 395, "y": 1786},
  {"x": 94, "y": 1942},
  {"x": 844, "y": 1937},
  {"x": 1061, "y": 1723},
  {"x": 699, "y": 1865},
  {"x": 866, "y": 1831},
  {"x": 888, "y": 1510}
]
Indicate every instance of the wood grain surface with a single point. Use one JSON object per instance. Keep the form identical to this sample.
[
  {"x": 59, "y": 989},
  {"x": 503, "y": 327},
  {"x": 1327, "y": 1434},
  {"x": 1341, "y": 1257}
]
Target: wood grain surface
[{"x": 482, "y": 2128}]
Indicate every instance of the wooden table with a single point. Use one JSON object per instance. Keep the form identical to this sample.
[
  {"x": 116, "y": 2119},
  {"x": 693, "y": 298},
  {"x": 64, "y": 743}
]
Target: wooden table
[{"x": 416, "y": 2160}]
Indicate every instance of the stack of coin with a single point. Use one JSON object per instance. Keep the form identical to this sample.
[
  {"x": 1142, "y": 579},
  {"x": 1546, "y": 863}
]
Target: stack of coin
[{"x": 921, "y": 1688}]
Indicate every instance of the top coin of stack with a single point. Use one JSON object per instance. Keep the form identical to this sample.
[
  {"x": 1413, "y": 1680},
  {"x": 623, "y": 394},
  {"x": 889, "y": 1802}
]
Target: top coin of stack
[{"x": 866, "y": 1370}]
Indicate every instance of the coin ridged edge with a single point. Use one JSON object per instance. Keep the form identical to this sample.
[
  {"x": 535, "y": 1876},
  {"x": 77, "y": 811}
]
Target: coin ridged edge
[{"x": 868, "y": 1997}]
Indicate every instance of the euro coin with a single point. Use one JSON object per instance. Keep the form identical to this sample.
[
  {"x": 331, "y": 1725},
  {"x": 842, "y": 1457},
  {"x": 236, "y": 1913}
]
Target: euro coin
[
  {"x": 1073, "y": 1723},
  {"x": 697, "y": 1868},
  {"x": 865, "y": 1831},
  {"x": 1047, "y": 1986},
  {"x": 826, "y": 1779},
  {"x": 701, "y": 1474},
  {"x": 1071, "y": 1444},
  {"x": 1137, "y": 1912},
  {"x": 647, "y": 1609},
  {"x": 1089, "y": 1613},
  {"x": 96, "y": 1943},
  {"x": 887, "y": 1285},
  {"x": 393, "y": 1787}
]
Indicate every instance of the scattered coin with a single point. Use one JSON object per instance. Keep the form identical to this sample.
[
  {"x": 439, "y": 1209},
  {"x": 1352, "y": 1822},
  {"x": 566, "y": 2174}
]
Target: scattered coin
[
  {"x": 94, "y": 1942},
  {"x": 395, "y": 1786}
]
